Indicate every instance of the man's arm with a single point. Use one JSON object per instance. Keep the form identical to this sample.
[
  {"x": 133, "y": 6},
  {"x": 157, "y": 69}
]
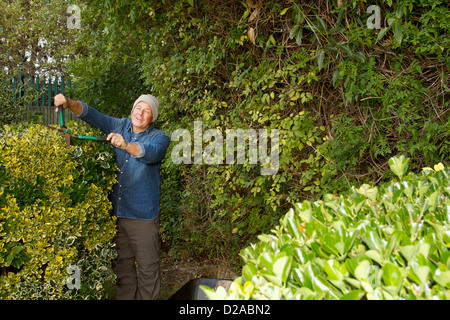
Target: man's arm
[
  {"x": 90, "y": 115},
  {"x": 148, "y": 153},
  {"x": 74, "y": 106},
  {"x": 119, "y": 142}
]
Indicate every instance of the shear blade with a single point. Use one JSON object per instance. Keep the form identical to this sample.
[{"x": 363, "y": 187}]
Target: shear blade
[{"x": 67, "y": 136}]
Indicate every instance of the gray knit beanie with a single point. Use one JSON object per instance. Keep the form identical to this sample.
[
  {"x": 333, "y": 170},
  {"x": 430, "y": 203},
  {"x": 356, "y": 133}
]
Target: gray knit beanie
[{"x": 151, "y": 101}]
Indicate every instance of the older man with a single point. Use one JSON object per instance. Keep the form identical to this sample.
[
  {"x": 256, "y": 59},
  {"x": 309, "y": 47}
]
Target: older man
[{"x": 140, "y": 148}]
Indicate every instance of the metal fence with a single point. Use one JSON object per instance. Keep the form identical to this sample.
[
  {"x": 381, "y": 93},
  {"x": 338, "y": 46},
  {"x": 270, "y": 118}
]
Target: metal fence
[{"x": 43, "y": 88}]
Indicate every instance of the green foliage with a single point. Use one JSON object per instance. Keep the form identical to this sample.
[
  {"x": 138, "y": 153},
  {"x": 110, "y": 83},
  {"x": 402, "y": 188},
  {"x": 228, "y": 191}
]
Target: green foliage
[
  {"x": 390, "y": 102},
  {"x": 35, "y": 37},
  {"x": 14, "y": 110},
  {"x": 345, "y": 98},
  {"x": 54, "y": 213},
  {"x": 374, "y": 242},
  {"x": 109, "y": 85}
]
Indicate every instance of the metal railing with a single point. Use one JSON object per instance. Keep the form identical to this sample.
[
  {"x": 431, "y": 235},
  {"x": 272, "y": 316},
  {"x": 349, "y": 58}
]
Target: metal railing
[{"x": 42, "y": 89}]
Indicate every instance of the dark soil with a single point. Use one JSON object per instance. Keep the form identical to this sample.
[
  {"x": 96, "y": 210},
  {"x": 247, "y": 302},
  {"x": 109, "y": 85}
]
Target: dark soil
[{"x": 176, "y": 271}]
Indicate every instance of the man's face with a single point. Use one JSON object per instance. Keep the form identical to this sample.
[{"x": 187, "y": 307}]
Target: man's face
[{"x": 141, "y": 117}]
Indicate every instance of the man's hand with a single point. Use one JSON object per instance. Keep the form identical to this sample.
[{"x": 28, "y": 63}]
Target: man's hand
[
  {"x": 60, "y": 99},
  {"x": 74, "y": 106},
  {"x": 117, "y": 140}
]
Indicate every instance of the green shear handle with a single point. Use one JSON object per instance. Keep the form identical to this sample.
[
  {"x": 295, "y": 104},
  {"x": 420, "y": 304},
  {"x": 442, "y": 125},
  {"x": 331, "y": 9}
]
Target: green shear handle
[{"x": 69, "y": 135}]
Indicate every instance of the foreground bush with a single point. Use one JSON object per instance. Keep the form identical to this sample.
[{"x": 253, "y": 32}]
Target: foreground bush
[
  {"x": 55, "y": 225},
  {"x": 385, "y": 242}
]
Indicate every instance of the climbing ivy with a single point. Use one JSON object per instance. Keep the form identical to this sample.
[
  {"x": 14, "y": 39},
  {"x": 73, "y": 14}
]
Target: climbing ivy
[{"x": 344, "y": 97}]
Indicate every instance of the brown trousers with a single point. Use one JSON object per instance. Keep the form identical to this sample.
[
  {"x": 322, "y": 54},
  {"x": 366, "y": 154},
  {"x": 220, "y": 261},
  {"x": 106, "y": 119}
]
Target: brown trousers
[{"x": 137, "y": 263}]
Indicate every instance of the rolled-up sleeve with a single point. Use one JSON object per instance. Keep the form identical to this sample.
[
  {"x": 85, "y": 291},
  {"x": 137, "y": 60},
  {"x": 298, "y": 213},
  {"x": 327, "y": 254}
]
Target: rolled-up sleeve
[
  {"x": 154, "y": 150},
  {"x": 84, "y": 110}
]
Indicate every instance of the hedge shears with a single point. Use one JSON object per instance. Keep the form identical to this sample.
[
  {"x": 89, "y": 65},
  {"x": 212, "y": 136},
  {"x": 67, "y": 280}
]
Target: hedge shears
[{"x": 69, "y": 135}]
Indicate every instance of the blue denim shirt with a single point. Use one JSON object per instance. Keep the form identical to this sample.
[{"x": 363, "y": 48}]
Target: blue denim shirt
[{"x": 138, "y": 191}]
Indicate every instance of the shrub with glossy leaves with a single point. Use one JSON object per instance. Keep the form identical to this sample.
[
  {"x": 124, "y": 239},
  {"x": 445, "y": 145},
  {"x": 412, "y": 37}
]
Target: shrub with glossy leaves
[
  {"x": 54, "y": 214},
  {"x": 375, "y": 242}
]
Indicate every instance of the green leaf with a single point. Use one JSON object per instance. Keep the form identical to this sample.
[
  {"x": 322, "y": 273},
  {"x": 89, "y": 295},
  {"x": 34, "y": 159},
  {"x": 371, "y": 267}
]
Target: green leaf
[
  {"x": 340, "y": 16},
  {"x": 353, "y": 295},
  {"x": 299, "y": 36},
  {"x": 322, "y": 24},
  {"x": 294, "y": 31},
  {"x": 382, "y": 33},
  {"x": 419, "y": 274},
  {"x": 359, "y": 56},
  {"x": 371, "y": 193},
  {"x": 282, "y": 267},
  {"x": 375, "y": 256},
  {"x": 335, "y": 77},
  {"x": 266, "y": 260},
  {"x": 366, "y": 286},
  {"x": 442, "y": 276},
  {"x": 265, "y": 238},
  {"x": 408, "y": 252},
  {"x": 9, "y": 259},
  {"x": 372, "y": 239},
  {"x": 211, "y": 294},
  {"x": 301, "y": 255},
  {"x": 362, "y": 270},
  {"x": 392, "y": 275},
  {"x": 17, "y": 249},
  {"x": 321, "y": 285},
  {"x": 399, "y": 165},
  {"x": 297, "y": 14},
  {"x": 351, "y": 265},
  {"x": 399, "y": 12},
  {"x": 283, "y": 11},
  {"x": 304, "y": 210},
  {"x": 346, "y": 49},
  {"x": 432, "y": 200},
  {"x": 249, "y": 271},
  {"x": 320, "y": 58},
  {"x": 272, "y": 40},
  {"x": 397, "y": 28},
  {"x": 332, "y": 268},
  {"x": 302, "y": 278},
  {"x": 318, "y": 250},
  {"x": 340, "y": 247},
  {"x": 271, "y": 277}
]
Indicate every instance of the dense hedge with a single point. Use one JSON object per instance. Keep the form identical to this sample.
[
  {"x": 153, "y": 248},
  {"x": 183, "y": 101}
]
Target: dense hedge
[
  {"x": 345, "y": 97},
  {"x": 54, "y": 215},
  {"x": 385, "y": 242}
]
